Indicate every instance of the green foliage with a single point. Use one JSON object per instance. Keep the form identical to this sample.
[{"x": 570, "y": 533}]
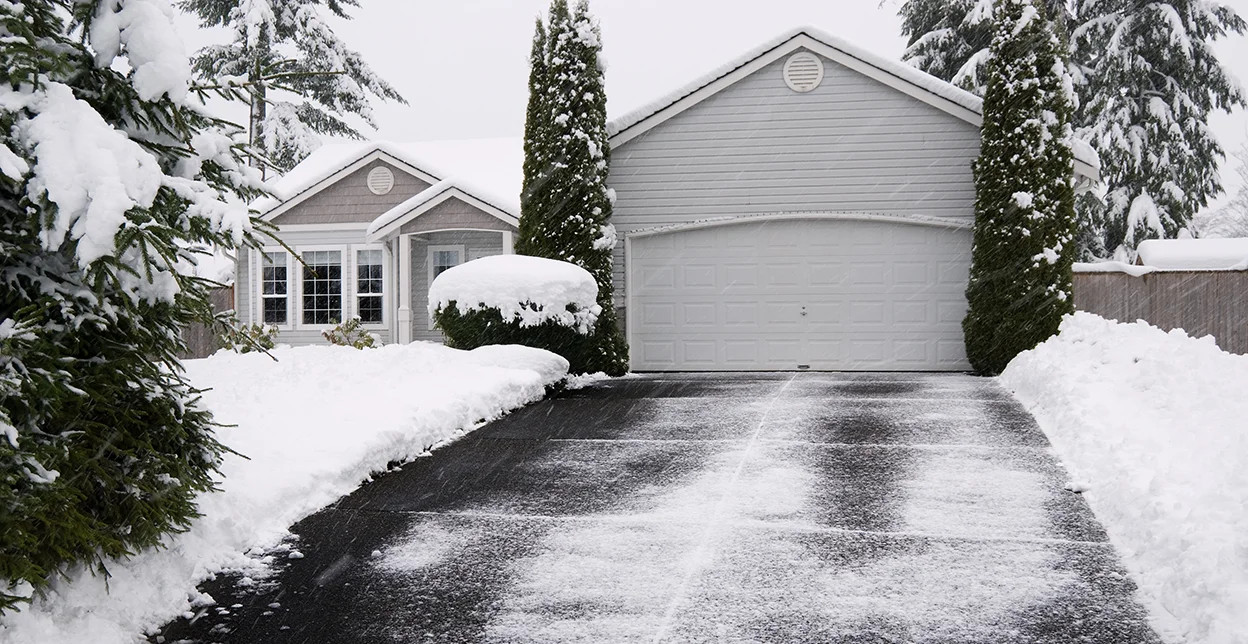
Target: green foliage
[
  {"x": 350, "y": 334},
  {"x": 1152, "y": 82},
  {"x": 565, "y": 204},
  {"x": 485, "y": 325},
  {"x": 104, "y": 446},
  {"x": 245, "y": 338},
  {"x": 1020, "y": 284}
]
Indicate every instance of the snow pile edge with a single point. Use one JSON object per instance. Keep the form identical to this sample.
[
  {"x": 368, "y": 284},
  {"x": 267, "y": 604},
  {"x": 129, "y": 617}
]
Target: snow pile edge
[
  {"x": 1152, "y": 425},
  {"x": 528, "y": 290}
]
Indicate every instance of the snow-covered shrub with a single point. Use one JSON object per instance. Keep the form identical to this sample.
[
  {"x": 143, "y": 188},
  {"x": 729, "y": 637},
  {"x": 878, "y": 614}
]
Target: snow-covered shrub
[
  {"x": 351, "y": 334},
  {"x": 515, "y": 299},
  {"x": 245, "y": 338}
]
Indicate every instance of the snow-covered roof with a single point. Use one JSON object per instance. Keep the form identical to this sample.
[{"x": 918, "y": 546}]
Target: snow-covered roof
[
  {"x": 792, "y": 40},
  {"x": 488, "y": 169},
  {"x": 1195, "y": 254}
]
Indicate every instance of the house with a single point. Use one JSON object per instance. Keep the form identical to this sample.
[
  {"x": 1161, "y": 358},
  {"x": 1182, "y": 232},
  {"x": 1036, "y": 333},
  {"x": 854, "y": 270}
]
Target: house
[
  {"x": 807, "y": 206},
  {"x": 374, "y": 223}
]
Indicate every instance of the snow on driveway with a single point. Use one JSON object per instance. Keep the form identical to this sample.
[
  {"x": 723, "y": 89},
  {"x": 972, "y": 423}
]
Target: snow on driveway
[{"x": 775, "y": 508}]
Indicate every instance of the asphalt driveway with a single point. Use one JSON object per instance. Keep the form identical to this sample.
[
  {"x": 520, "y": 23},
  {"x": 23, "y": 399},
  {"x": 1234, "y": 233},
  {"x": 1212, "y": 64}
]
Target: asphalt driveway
[{"x": 708, "y": 508}]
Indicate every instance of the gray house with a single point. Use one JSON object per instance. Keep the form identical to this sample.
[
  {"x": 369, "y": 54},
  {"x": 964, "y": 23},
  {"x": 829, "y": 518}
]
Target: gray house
[{"x": 806, "y": 206}]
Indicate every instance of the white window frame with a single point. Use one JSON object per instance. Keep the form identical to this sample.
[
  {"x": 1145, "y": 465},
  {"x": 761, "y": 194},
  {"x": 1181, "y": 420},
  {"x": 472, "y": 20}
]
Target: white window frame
[
  {"x": 347, "y": 293},
  {"x": 463, "y": 258},
  {"x": 257, "y": 311},
  {"x": 386, "y": 281}
]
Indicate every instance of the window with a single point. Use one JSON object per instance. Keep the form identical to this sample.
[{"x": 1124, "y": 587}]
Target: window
[
  {"x": 369, "y": 269},
  {"x": 443, "y": 257},
  {"x": 322, "y": 287},
  {"x": 274, "y": 288}
]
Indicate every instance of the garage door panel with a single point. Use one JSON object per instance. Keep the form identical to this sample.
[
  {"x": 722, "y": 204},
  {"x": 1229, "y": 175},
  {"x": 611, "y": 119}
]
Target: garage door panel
[{"x": 823, "y": 294}]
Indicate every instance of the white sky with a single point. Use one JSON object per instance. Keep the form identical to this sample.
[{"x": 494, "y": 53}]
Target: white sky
[{"x": 463, "y": 65}]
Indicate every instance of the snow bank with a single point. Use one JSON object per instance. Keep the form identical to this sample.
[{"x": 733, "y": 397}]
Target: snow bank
[
  {"x": 513, "y": 284},
  {"x": 1195, "y": 254},
  {"x": 1153, "y": 425},
  {"x": 315, "y": 425}
]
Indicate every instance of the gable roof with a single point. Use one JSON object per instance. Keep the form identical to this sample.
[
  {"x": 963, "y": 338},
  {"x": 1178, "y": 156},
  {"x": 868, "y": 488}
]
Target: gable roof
[
  {"x": 893, "y": 73},
  {"x": 488, "y": 170},
  {"x": 392, "y": 220}
]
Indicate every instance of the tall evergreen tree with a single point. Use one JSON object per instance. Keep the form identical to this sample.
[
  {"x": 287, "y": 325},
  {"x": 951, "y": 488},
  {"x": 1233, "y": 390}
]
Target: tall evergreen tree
[
  {"x": 949, "y": 39},
  {"x": 1152, "y": 80},
  {"x": 297, "y": 77},
  {"x": 566, "y": 206},
  {"x": 1020, "y": 285},
  {"x": 106, "y": 178}
]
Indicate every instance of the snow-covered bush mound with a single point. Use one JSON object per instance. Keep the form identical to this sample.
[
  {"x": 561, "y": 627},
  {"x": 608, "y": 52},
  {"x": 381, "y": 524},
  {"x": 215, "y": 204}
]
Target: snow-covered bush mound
[
  {"x": 314, "y": 424},
  {"x": 528, "y": 290},
  {"x": 1155, "y": 426}
]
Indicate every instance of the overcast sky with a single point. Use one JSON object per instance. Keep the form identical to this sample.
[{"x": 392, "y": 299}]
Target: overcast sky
[{"x": 463, "y": 64}]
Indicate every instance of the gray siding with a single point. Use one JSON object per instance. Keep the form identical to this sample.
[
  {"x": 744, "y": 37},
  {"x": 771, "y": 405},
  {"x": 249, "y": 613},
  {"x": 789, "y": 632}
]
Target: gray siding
[
  {"x": 851, "y": 145},
  {"x": 485, "y": 243},
  {"x": 454, "y": 213},
  {"x": 247, "y": 296},
  {"x": 350, "y": 201}
]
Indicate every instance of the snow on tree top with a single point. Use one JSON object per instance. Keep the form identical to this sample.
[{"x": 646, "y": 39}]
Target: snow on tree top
[
  {"x": 488, "y": 169},
  {"x": 899, "y": 69}
]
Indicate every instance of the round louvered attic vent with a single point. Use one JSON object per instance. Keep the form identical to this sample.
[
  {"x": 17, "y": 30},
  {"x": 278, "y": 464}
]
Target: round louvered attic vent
[
  {"x": 380, "y": 180},
  {"x": 803, "y": 72}
]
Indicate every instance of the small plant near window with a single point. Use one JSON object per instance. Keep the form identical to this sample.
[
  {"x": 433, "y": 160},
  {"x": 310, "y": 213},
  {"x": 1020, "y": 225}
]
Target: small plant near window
[
  {"x": 245, "y": 338},
  {"x": 351, "y": 334}
]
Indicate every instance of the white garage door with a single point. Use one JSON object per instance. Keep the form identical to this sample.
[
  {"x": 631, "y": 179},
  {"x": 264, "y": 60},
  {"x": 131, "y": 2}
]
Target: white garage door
[{"x": 781, "y": 294}]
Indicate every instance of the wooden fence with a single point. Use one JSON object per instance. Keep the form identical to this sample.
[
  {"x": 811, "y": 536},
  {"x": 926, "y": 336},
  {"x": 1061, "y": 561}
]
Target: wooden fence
[
  {"x": 201, "y": 340},
  {"x": 1199, "y": 302}
]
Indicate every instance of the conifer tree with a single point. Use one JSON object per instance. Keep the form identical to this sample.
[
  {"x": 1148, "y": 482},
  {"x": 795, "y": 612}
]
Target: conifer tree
[
  {"x": 297, "y": 77},
  {"x": 1152, "y": 81},
  {"x": 1020, "y": 285},
  {"x": 949, "y": 39},
  {"x": 106, "y": 179},
  {"x": 566, "y": 206}
]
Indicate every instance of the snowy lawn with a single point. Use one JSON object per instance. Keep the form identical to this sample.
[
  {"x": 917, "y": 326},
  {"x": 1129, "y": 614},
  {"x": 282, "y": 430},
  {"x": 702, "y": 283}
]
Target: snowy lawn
[
  {"x": 314, "y": 425},
  {"x": 1155, "y": 426}
]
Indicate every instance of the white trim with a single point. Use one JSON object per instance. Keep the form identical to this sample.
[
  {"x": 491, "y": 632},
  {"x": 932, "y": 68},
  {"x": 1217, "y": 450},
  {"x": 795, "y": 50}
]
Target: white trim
[
  {"x": 448, "y": 193},
  {"x": 314, "y": 228},
  {"x": 509, "y": 243},
  {"x": 257, "y": 310},
  {"x": 385, "y": 285},
  {"x": 344, "y": 291},
  {"x": 915, "y": 220},
  {"x": 359, "y": 163},
  {"x": 799, "y": 41},
  {"x": 463, "y": 257},
  {"x": 629, "y": 316},
  {"x": 404, "y": 320}
]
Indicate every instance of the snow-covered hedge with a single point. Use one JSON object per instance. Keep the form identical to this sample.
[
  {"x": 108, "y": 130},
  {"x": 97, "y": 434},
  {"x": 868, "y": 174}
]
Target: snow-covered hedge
[
  {"x": 313, "y": 425},
  {"x": 1155, "y": 426},
  {"x": 517, "y": 299},
  {"x": 530, "y": 291}
]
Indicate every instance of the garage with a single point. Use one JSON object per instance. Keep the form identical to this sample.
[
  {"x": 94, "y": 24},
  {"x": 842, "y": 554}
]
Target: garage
[{"x": 793, "y": 292}]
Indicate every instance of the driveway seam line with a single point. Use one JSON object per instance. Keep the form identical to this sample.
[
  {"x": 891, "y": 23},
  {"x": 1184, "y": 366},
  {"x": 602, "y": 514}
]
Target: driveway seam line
[{"x": 708, "y": 533}]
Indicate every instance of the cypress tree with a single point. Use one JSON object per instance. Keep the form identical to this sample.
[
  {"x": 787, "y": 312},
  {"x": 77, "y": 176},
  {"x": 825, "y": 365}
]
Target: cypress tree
[
  {"x": 536, "y": 124},
  {"x": 1152, "y": 81},
  {"x": 107, "y": 178},
  {"x": 1020, "y": 285},
  {"x": 566, "y": 209}
]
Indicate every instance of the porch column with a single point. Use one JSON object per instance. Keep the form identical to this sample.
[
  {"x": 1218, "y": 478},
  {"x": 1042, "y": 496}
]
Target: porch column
[
  {"x": 509, "y": 243},
  {"x": 405, "y": 289}
]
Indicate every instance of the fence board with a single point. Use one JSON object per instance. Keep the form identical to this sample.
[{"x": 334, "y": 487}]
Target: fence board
[
  {"x": 1199, "y": 302},
  {"x": 201, "y": 340}
]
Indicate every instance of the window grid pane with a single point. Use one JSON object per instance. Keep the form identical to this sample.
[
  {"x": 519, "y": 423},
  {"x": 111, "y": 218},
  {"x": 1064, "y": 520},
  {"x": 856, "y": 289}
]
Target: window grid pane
[
  {"x": 322, "y": 287},
  {"x": 369, "y": 287},
  {"x": 273, "y": 283},
  {"x": 443, "y": 260}
]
